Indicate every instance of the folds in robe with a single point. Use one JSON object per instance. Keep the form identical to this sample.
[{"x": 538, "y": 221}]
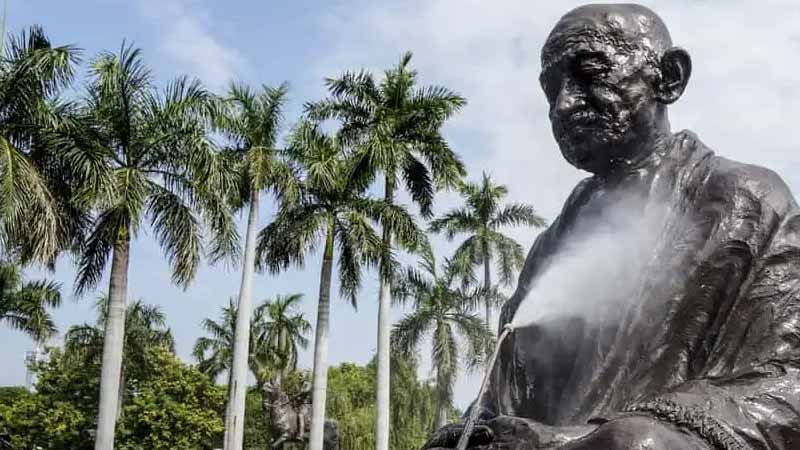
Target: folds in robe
[{"x": 703, "y": 327}]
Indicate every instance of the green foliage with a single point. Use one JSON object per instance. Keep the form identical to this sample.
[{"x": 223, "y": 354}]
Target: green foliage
[
  {"x": 36, "y": 217},
  {"x": 24, "y": 304},
  {"x": 9, "y": 394},
  {"x": 180, "y": 408},
  {"x": 256, "y": 425},
  {"x": 277, "y": 332},
  {"x": 145, "y": 329},
  {"x": 155, "y": 163},
  {"x": 61, "y": 414},
  {"x": 351, "y": 402},
  {"x": 174, "y": 407}
]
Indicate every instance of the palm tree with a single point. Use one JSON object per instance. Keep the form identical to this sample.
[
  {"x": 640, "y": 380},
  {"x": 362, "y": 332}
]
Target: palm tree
[
  {"x": 481, "y": 218},
  {"x": 442, "y": 308},
  {"x": 281, "y": 332},
  {"x": 214, "y": 352},
  {"x": 395, "y": 129},
  {"x": 34, "y": 151},
  {"x": 276, "y": 334},
  {"x": 24, "y": 304},
  {"x": 159, "y": 167},
  {"x": 145, "y": 329},
  {"x": 251, "y": 121},
  {"x": 332, "y": 208}
]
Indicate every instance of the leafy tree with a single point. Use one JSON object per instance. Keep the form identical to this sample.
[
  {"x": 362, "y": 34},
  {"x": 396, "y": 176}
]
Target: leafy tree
[
  {"x": 443, "y": 310},
  {"x": 251, "y": 121},
  {"x": 60, "y": 415},
  {"x": 395, "y": 129},
  {"x": 180, "y": 408},
  {"x": 174, "y": 406},
  {"x": 34, "y": 224},
  {"x": 333, "y": 209},
  {"x": 24, "y": 304},
  {"x": 256, "y": 425},
  {"x": 352, "y": 405},
  {"x": 159, "y": 167},
  {"x": 145, "y": 329},
  {"x": 481, "y": 218}
]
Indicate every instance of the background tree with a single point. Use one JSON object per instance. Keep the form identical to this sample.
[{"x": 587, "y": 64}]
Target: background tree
[
  {"x": 33, "y": 122},
  {"x": 251, "y": 122},
  {"x": 214, "y": 352},
  {"x": 161, "y": 168},
  {"x": 481, "y": 218},
  {"x": 332, "y": 208},
  {"x": 145, "y": 329},
  {"x": 276, "y": 334},
  {"x": 24, "y": 304},
  {"x": 352, "y": 404},
  {"x": 443, "y": 310},
  {"x": 280, "y": 333},
  {"x": 395, "y": 129},
  {"x": 180, "y": 408},
  {"x": 175, "y": 406}
]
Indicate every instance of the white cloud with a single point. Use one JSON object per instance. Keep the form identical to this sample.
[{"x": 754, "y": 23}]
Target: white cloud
[
  {"x": 189, "y": 39},
  {"x": 742, "y": 101}
]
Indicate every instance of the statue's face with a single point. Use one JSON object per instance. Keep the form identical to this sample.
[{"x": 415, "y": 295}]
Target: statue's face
[{"x": 599, "y": 84}]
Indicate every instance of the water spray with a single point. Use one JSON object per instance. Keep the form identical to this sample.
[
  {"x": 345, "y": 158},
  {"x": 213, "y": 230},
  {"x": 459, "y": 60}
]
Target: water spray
[{"x": 473, "y": 414}]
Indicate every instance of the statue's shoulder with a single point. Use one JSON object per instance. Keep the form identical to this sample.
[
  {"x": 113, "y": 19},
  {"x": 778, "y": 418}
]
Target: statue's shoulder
[
  {"x": 726, "y": 178},
  {"x": 756, "y": 182}
]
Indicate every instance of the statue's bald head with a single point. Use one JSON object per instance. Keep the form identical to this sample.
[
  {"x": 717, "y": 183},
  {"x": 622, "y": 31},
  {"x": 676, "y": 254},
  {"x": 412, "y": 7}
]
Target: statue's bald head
[
  {"x": 628, "y": 27},
  {"x": 608, "y": 71}
]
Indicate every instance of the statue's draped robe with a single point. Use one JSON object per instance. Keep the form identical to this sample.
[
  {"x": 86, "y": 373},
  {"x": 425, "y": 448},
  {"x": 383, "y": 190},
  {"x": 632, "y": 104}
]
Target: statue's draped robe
[{"x": 709, "y": 334}]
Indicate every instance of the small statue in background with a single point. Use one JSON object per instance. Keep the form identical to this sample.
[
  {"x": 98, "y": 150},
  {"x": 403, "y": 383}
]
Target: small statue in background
[{"x": 290, "y": 417}]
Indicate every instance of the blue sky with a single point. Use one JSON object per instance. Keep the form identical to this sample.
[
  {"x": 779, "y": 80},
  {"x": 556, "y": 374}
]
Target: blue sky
[{"x": 742, "y": 101}]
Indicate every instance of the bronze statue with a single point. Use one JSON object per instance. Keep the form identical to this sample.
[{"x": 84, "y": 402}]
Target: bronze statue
[{"x": 703, "y": 350}]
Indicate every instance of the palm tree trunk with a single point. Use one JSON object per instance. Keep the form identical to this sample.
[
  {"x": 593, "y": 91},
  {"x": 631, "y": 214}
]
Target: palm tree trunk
[
  {"x": 320, "y": 381},
  {"x": 442, "y": 402},
  {"x": 234, "y": 426},
  {"x": 384, "y": 328},
  {"x": 487, "y": 285},
  {"x": 112, "y": 345}
]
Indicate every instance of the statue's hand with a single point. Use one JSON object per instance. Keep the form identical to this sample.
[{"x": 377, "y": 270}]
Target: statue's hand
[
  {"x": 507, "y": 433},
  {"x": 447, "y": 437},
  {"x": 635, "y": 433}
]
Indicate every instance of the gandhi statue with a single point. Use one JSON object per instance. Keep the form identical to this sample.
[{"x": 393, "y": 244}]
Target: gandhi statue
[{"x": 705, "y": 353}]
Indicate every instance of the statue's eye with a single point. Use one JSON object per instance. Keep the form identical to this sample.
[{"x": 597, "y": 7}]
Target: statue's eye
[{"x": 591, "y": 68}]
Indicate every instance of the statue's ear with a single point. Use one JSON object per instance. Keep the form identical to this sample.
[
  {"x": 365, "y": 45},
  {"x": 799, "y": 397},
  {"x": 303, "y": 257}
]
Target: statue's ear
[{"x": 676, "y": 68}]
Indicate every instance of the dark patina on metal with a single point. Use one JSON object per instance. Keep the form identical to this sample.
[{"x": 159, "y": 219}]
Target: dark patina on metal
[{"x": 704, "y": 352}]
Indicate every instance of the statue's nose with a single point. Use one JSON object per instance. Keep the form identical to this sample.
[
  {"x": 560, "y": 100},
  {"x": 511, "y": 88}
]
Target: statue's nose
[{"x": 569, "y": 99}]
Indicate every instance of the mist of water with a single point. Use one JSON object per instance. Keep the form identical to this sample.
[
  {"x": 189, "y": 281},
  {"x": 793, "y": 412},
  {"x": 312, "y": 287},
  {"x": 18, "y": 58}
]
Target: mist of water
[{"x": 599, "y": 265}]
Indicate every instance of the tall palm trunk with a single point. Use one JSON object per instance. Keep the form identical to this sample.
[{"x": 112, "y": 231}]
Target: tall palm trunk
[
  {"x": 234, "y": 426},
  {"x": 319, "y": 385},
  {"x": 384, "y": 328},
  {"x": 487, "y": 285},
  {"x": 112, "y": 345},
  {"x": 442, "y": 402}
]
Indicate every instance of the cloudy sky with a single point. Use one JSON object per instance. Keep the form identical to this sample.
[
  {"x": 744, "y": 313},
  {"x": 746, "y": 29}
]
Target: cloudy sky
[{"x": 742, "y": 100}]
